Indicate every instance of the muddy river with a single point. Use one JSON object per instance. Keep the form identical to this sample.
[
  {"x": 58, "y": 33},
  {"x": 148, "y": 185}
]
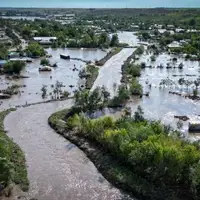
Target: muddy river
[{"x": 57, "y": 169}]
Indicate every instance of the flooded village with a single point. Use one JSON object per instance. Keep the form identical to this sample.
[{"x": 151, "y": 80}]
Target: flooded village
[{"x": 138, "y": 77}]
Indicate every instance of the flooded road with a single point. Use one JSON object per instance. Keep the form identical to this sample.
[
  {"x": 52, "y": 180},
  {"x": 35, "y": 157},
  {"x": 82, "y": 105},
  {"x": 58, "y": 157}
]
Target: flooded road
[
  {"x": 110, "y": 73},
  {"x": 57, "y": 169}
]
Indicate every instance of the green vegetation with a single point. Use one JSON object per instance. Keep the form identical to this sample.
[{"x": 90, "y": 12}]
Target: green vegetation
[
  {"x": 139, "y": 50},
  {"x": 90, "y": 73},
  {"x": 12, "y": 90},
  {"x": 121, "y": 97},
  {"x": 13, "y": 67},
  {"x": 134, "y": 70},
  {"x": 135, "y": 87},
  {"x": 114, "y": 41},
  {"x": 44, "y": 62},
  {"x": 3, "y": 52},
  {"x": 130, "y": 73},
  {"x": 149, "y": 160},
  {"x": 35, "y": 50},
  {"x": 90, "y": 101},
  {"x": 12, "y": 160},
  {"x": 44, "y": 91}
]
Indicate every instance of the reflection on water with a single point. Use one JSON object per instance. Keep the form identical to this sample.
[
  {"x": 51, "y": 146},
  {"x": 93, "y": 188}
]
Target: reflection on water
[{"x": 57, "y": 169}]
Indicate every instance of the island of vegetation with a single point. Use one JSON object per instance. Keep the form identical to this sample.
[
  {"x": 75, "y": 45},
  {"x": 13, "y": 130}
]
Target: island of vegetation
[{"x": 143, "y": 157}]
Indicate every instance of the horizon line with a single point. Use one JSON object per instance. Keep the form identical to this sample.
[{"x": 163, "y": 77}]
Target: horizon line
[{"x": 5, "y": 7}]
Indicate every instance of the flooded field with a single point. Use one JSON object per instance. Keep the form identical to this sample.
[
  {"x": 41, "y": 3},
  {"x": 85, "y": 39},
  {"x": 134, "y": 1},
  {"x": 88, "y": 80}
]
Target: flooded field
[
  {"x": 63, "y": 73},
  {"x": 160, "y": 104},
  {"x": 57, "y": 169}
]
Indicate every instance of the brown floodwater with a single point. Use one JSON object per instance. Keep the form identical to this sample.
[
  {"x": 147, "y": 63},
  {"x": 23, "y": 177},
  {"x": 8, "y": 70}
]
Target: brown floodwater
[
  {"x": 161, "y": 105},
  {"x": 57, "y": 169},
  {"x": 63, "y": 73}
]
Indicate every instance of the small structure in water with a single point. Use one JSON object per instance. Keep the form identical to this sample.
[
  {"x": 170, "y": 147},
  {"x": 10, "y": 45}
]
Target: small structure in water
[
  {"x": 194, "y": 127},
  {"x": 55, "y": 65},
  {"x": 4, "y": 96},
  {"x": 64, "y": 57},
  {"x": 45, "y": 69},
  {"x": 180, "y": 66}
]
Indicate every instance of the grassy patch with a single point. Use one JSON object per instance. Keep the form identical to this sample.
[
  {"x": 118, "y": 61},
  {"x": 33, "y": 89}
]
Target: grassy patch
[
  {"x": 14, "y": 157},
  {"x": 93, "y": 73}
]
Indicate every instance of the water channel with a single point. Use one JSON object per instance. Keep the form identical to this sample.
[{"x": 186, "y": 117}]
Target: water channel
[{"x": 57, "y": 169}]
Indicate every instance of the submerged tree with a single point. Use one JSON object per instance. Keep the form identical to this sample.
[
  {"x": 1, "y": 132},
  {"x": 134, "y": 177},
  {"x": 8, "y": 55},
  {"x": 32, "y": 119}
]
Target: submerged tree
[
  {"x": 14, "y": 67},
  {"x": 44, "y": 62},
  {"x": 114, "y": 41},
  {"x": 138, "y": 116},
  {"x": 44, "y": 91}
]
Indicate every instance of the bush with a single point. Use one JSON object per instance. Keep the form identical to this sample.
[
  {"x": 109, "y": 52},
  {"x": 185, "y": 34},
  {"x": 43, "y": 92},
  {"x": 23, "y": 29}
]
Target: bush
[
  {"x": 91, "y": 101},
  {"x": 122, "y": 96},
  {"x": 195, "y": 92},
  {"x": 35, "y": 50},
  {"x": 44, "y": 62},
  {"x": 134, "y": 70},
  {"x": 153, "y": 58},
  {"x": 139, "y": 50},
  {"x": 14, "y": 67},
  {"x": 135, "y": 87}
]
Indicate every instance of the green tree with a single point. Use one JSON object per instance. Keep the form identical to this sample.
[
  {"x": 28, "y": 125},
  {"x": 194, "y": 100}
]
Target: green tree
[
  {"x": 44, "y": 91},
  {"x": 3, "y": 52},
  {"x": 135, "y": 87},
  {"x": 114, "y": 40},
  {"x": 14, "y": 67},
  {"x": 44, "y": 62},
  {"x": 138, "y": 116},
  {"x": 35, "y": 50}
]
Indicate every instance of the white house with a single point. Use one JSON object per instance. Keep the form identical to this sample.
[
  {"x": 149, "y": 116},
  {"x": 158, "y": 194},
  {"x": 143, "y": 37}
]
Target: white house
[{"x": 45, "y": 40}]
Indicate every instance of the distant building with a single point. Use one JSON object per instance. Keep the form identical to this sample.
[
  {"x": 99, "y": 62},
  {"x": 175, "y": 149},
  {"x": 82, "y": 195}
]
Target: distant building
[
  {"x": 161, "y": 31},
  {"x": 45, "y": 40},
  {"x": 13, "y": 54},
  {"x": 174, "y": 45},
  {"x": 179, "y": 30},
  {"x": 170, "y": 26}
]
